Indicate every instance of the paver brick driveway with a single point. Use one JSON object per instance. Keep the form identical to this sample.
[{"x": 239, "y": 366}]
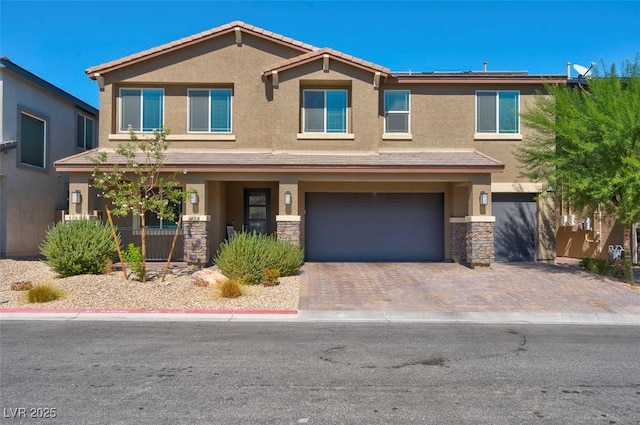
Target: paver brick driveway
[{"x": 448, "y": 287}]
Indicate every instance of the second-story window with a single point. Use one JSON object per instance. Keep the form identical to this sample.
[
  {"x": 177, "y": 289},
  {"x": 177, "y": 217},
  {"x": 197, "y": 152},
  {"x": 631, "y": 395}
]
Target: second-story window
[
  {"x": 396, "y": 111},
  {"x": 84, "y": 135},
  {"x": 324, "y": 111},
  {"x": 210, "y": 110},
  {"x": 497, "y": 112},
  {"x": 33, "y": 140},
  {"x": 141, "y": 109}
]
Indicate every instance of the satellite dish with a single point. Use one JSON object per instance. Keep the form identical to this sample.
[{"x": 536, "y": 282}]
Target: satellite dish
[{"x": 583, "y": 71}]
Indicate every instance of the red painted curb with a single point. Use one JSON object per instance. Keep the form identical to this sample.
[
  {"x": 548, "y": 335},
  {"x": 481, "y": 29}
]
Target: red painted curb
[{"x": 143, "y": 311}]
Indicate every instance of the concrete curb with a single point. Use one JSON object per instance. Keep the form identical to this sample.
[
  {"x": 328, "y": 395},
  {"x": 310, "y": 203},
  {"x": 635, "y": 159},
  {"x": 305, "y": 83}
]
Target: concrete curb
[{"x": 627, "y": 319}]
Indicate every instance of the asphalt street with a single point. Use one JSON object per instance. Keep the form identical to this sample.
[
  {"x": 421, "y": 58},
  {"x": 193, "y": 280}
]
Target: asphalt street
[{"x": 317, "y": 373}]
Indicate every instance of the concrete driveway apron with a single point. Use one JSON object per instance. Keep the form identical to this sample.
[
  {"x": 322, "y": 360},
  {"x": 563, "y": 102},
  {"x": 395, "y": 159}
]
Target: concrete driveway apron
[{"x": 449, "y": 287}]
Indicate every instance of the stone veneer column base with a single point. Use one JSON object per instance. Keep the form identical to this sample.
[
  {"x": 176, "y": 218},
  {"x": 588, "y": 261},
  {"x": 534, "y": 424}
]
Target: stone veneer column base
[
  {"x": 458, "y": 233},
  {"x": 196, "y": 244},
  {"x": 479, "y": 237},
  {"x": 288, "y": 228}
]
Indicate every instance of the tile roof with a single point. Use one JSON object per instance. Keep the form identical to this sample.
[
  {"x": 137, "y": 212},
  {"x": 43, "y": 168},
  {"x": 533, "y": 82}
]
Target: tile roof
[
  {"x": 334, "y": 54},
  {"x": 211, "y": 161},
  {"x": 197, "y": 38}
]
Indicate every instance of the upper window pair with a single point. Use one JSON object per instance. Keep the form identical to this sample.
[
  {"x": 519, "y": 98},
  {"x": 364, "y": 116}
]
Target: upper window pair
[
  {"x": 498, "y": 112},
  {"x": 143, "y": 110}
]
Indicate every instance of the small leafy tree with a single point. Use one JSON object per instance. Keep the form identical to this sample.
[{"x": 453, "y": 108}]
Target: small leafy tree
[
  {"x": 134, "y": 181},
  {"x": 587, "y": 145}
]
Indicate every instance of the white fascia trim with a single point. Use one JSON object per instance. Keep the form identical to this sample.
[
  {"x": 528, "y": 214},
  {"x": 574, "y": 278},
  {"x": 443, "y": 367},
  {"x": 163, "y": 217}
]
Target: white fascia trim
[
  {"x": 479, "y": 219},
  {"x": 287, "y": 218}
]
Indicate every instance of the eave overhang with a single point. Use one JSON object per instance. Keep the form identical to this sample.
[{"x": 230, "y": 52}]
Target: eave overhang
[
  {"x": 232, "y": 27},
  {"x": 425, "y": 162}
]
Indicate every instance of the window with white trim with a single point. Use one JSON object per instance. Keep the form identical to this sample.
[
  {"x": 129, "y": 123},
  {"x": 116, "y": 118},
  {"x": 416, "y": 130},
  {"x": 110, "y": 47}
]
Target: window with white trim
[
  {"x": 324, "y": 111},
  {"x": 396, "y": 111},
  {"x": 497, "y": 112},
  {"x": 141, "y": 109},
  {"x": 33, "y": 140},
  {"x": 84, "y": 134},
  {"x": 153, "y": 221},
  {"x": 210, "y": 110}
]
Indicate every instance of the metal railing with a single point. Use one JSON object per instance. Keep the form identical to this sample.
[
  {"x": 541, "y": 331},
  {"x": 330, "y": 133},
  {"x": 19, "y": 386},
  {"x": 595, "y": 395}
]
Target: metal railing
[{"x": 158, "y": 242}]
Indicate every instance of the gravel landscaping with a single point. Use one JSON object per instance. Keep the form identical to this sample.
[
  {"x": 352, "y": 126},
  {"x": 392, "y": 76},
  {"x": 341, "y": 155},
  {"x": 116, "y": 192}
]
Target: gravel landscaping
[{"x": 113, "y": 291}]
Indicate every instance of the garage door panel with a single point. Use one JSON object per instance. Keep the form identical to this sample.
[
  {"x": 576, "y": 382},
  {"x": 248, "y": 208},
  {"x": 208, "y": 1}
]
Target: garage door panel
[
  {"x": 516, "y": 227},
  {"x": 374, "y": 227}
]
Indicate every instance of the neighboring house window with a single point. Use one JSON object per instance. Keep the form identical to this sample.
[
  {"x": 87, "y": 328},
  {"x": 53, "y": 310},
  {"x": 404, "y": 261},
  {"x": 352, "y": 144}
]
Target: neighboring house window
[
  {"x": 324, "y": 111},
  {"x": 497, "y": 112},
  {"x": 84, "y": 136},
  {"x": 396, "y": 111},
  {"x": 141, "y": 109},
  {"x": 33, "y": 140},
  {"x": 210, "y": 110}
]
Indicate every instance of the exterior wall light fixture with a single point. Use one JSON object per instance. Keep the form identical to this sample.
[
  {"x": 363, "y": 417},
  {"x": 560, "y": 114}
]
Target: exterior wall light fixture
[
  {"x": 194, "y": 198},
  {"x": 484, "y": 198},
  {"x": 76, "y": 197},
  {"x": 287, "y": 198}
]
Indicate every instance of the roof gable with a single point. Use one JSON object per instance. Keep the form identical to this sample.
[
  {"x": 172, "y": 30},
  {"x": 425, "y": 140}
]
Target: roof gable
[
  {"x": 198, "y": 38},
  {"x": 325, "y": 53}
]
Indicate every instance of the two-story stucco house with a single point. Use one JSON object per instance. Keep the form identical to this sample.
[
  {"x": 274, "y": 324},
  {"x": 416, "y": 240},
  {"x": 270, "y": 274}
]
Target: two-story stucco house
[
  {"x": 39, "y": 124},
  {"x": 349, "y": 159}
]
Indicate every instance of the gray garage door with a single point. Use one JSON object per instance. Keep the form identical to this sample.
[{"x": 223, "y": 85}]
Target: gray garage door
[
  {"x": 516, "y": 226},
  {"x": 374, "y": 227}
]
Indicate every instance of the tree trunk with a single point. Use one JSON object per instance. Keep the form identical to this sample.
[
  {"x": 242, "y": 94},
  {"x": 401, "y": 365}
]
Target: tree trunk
[
  {"x": 626, "y": 244},
  {"x": 143, "y": 243}
]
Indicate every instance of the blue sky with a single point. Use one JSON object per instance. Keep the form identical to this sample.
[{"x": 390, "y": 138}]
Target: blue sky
[{"x": 58, "y": 40}]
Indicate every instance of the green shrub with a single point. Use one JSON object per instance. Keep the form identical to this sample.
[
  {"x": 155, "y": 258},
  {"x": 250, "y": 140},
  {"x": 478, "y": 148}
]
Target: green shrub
[
  {"x": 230, "y": 289},
  {"x": 600, "y": 266},
  {"x": 43, "y": 293},
  {"x": 78, "y": 247},
  {"x": 132, "y": 257},
  {"x": 246, "y": 255}
]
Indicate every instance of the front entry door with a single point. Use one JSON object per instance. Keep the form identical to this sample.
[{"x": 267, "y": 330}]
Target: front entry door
[{"x": 256, "y": 210}]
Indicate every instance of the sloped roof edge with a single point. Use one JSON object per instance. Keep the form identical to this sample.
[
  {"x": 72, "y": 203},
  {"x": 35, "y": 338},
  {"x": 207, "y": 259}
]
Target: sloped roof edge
[
  {"x": 333, "y": 54},
  {"x": 5, "y": 62},
  {"x": 197, "y": 38}
]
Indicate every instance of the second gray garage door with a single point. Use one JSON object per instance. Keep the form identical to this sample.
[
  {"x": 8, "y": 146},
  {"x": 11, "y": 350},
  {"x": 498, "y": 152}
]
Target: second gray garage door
[
  {"x": 374, "y": 227},
  {"x": 515, "y": 231}
]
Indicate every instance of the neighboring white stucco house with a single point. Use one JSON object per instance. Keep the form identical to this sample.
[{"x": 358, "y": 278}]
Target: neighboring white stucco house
[{"x": 39, "y": 124}]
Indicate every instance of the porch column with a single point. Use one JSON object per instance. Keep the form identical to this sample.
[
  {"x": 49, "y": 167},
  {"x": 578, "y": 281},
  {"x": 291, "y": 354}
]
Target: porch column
[
  {"x": 79, "y": 198},
  {"x": 288, "y": 218},
  {"x": 458, "y": 232},
  {"x": 479, "y": 240},
  {"x": 196, "y": 243},
  {"x": 194, "y": 222}
]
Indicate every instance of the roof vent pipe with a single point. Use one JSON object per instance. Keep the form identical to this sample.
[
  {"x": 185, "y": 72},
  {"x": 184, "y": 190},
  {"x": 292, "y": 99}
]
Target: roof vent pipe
[
  {"x": 568, "y": 70},
  {"x": 485, "y": 66}
]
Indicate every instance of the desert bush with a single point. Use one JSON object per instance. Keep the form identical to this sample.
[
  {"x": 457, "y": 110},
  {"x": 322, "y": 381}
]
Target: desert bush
[
  {"x": 600, "y": 266},
  {"x": 230, "y": 289},
  {"x": 132, "y": 257},
  {"x": 43, "y": 293},
  {"x": 78, "y": 247},
  {"x": 246, "y": 255},
  {"x": 21, "y": 286}
]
